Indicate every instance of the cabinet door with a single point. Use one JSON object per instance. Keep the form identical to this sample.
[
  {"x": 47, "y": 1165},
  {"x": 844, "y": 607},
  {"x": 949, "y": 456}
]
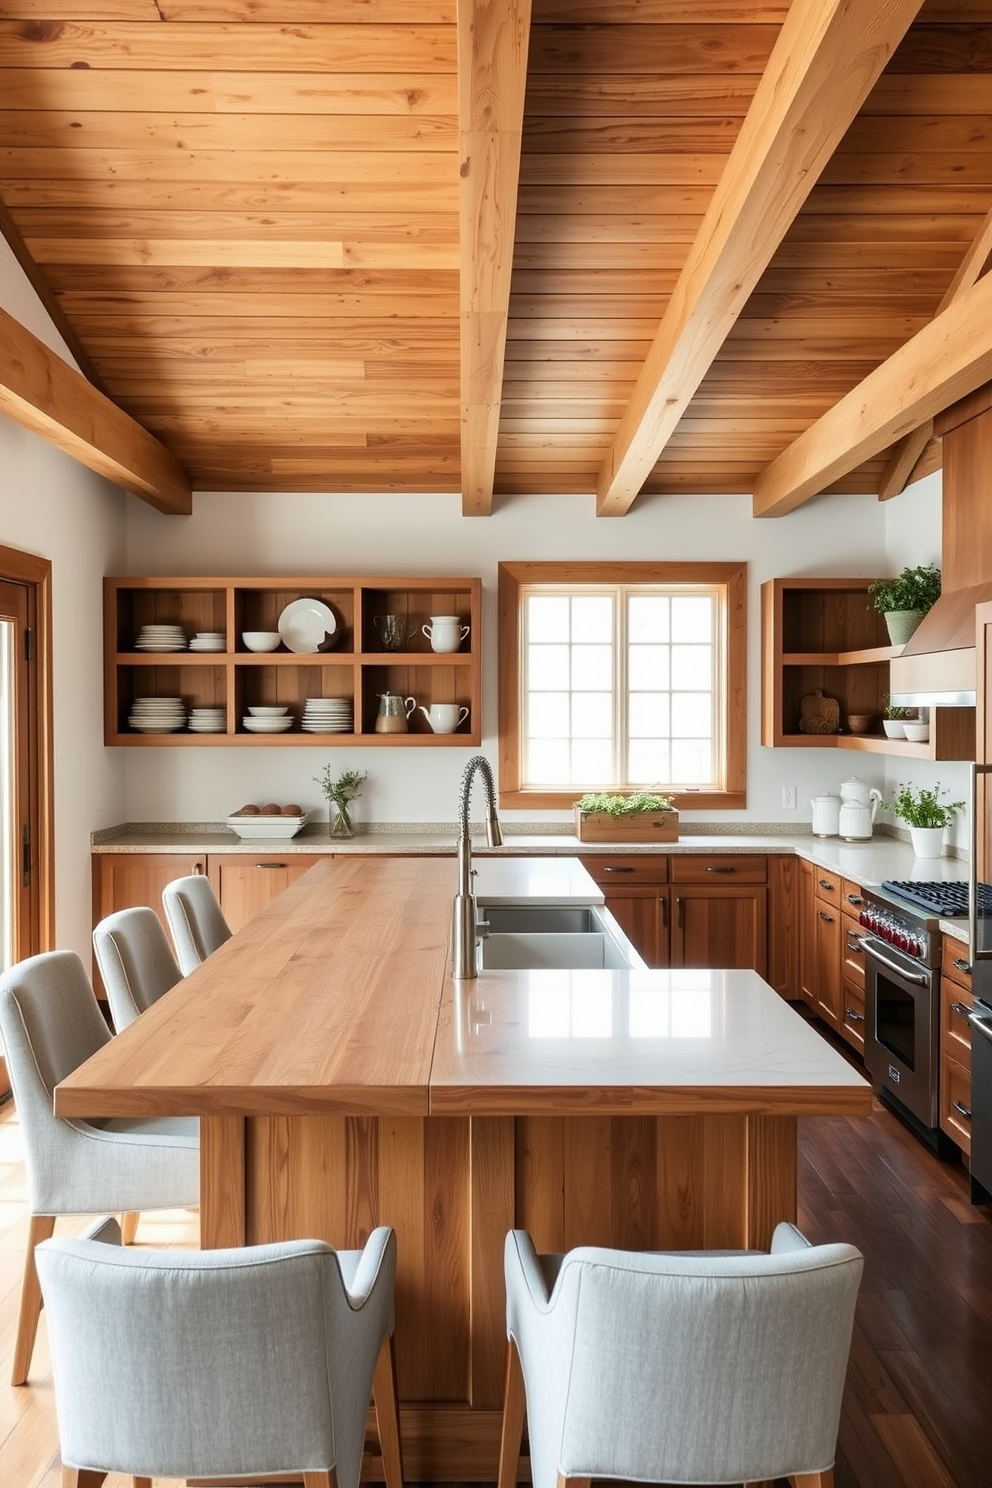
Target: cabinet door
[
  {"x": 720, "y": 927},
  {"x": 783, "y": 924},
  {"x": 642, "y": 914},
  {"x": 807, "y": 932},
  {"x": 245, "y": 884},
  {"x": 828, "y": 962}
]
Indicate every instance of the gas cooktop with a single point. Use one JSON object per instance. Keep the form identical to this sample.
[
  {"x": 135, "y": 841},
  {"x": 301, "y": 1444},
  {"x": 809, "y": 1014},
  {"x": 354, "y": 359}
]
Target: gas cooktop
[{"x": 942, "y": 897}]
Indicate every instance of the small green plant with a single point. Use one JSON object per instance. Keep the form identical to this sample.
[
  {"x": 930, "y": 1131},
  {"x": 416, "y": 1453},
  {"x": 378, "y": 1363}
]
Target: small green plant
[
  {"x": 914, "y": 589},
  {"x": 922, "y": 807},
  {"x": 340, "y": 793},
  {"x": 622, "y": 805},
  {"x": 900, "y": 714}
]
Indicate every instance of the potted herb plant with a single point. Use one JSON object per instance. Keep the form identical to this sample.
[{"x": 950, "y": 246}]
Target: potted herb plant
[
  {"x": 340, "y": 793},
  {"x": 925, "y": 815},
  {"x": 904, "y": 601},
  {"x": 626, "y": 816},
  {"x": 894, "y": 719}
]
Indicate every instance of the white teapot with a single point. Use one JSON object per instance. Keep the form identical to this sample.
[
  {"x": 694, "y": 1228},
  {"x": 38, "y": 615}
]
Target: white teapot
[
  {"x": 856, "y": 792},
  {"x": 859, "y": 805}
]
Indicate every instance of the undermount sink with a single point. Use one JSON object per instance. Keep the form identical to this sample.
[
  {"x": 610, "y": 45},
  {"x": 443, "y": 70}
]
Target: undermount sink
[{"x": 530, "y": 937}]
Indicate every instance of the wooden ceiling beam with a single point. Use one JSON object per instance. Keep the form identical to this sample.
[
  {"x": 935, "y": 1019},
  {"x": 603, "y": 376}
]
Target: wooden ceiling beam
[
  {"x": 946, "y": 360},
  {"x": 44, "y": 394},
  {"x": 493, "y": 38},
  {"x": 906, "y": 455},
  {"x": 828, "y": 55}
]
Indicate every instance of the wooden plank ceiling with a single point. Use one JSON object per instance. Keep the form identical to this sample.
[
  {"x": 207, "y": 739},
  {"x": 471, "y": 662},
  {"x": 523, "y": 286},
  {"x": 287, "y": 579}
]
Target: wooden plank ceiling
[{"x": 245, "y": 214}]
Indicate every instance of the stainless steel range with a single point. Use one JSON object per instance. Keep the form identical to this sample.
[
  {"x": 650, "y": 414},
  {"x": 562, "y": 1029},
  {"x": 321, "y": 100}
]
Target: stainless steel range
[{"x": 902, "y": 987}]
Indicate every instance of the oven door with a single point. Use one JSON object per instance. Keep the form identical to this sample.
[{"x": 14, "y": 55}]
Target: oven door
[
  {"x": 981, "y": 1101},
  {"x": 901, "y": 1029}
]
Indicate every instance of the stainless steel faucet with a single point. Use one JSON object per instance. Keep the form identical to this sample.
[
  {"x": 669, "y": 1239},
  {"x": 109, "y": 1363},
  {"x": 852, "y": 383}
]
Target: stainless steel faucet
[{"x": 466, "y": 926}]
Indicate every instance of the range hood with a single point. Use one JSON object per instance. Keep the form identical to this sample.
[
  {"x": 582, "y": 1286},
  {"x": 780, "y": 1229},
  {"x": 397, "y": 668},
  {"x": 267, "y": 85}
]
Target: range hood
[{"x": 937, "y": 665}]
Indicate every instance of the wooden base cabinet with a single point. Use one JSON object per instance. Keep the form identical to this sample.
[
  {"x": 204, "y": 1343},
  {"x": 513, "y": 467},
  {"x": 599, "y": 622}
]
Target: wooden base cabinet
[
  {"x": 247, "y": 885},
  {"x": 955, "y": 1044},
  {"x": 636, "y": 889}
]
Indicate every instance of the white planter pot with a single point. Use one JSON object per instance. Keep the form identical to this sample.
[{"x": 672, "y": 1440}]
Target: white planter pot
[
  {"x": 928, "y": 842},
  {"x": 894, "y": 728}
]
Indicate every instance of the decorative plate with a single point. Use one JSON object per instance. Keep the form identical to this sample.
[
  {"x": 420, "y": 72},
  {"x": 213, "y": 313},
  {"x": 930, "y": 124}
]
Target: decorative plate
[{"x": 307, "y": 625}]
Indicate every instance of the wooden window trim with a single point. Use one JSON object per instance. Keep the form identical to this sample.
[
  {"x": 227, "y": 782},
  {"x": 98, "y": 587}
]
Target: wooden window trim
[
  {"x": 515, "y": 576},
  {"x": 36, "y": 574}
]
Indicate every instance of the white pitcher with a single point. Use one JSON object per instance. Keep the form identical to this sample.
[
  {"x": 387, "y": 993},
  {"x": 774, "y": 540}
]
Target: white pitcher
[
  {"x": 857, "y": 821},
  {"x": 444, "y": 718},
  {"x": 445, "y": 632}
]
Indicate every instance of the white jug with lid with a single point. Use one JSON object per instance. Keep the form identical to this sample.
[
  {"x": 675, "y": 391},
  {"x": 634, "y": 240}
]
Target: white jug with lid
[
  {"x": 856, "y": 820},
  {"x": 826, "y": 815},
  {"x": 855, "y": 792}
]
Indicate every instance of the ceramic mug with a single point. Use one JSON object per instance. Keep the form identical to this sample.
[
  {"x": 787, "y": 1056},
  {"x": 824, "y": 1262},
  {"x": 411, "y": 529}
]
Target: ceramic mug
[
  {"x": 445, "y": 632},
  {"x": 444, "y": 718}
]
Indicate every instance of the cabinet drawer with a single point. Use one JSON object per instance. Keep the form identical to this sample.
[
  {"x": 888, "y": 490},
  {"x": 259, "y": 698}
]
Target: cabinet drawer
[
  {"x": 852, "y": 955},
  {"x": 828, "y": 886},
  {"x": 852, "y": 896},
  {"x": 612, "y": 870},
  {"x": 715, "y": 868},
  {"x": 853, "y": 1014},
  {"x": 955, "y": 1103},
  {"x": 954, "y": 961},
  {"x": 955, "y": 1031}
]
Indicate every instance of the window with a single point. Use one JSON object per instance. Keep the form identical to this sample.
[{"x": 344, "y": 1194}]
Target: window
[{"x": 618, "y": 676}]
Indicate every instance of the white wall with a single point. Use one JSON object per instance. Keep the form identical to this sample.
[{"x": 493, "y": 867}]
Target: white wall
[
  {"x": 326, "y": 534},
  {"x": 55, "y": 508}
]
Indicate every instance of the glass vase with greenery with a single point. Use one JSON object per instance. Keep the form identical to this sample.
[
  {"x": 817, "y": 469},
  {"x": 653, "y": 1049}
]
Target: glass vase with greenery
[{"x": 340, "y": 793}]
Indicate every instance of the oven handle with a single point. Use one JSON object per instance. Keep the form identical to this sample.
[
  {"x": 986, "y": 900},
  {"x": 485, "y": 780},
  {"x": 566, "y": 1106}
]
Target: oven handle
[
  {"x": 870, "y": 947},
  {"x": 981, "y": 1025}
]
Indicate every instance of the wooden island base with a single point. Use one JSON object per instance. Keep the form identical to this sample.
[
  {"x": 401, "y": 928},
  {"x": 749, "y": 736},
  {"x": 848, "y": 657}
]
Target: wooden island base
[{"x": 451, "y": 1187}]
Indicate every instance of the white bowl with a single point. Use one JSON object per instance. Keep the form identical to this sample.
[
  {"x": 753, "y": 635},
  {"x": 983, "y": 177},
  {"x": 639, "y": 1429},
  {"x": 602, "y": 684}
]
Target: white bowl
[
  {"x": 261, "y": 640},
  {"x": 894, "y": 728},
  {"x": 260, "y": 828},
  {"x": 918, "y": 732},
  {"x": 268, "y": 712}
]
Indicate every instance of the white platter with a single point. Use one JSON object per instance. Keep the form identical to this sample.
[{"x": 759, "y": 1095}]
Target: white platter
[
  {"x": 257, "y": 828},
  {"x": 306, "y": 624}
]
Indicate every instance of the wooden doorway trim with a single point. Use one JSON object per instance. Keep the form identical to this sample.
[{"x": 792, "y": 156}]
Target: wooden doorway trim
[{"x": 36, "y": 574}]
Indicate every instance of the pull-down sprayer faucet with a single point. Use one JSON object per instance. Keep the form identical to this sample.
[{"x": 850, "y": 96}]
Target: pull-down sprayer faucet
[{"x": 465, "y": 925}]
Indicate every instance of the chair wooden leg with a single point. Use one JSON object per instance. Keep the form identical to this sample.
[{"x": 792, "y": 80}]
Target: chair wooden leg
[
  {"x": 141, "y": 1483},
  {"x": 321, "y": 1479},
  {"x": 564, "y": 1482},
  {"x": 813, "y": 1480},
  {"x": 41, "y": 1227},
  {"x": 83, "y": 1477},
  {"x": 129, "y": 1227},
  {"x": 514, "y": 1409},
  {"x": 387, "y": 1414}
]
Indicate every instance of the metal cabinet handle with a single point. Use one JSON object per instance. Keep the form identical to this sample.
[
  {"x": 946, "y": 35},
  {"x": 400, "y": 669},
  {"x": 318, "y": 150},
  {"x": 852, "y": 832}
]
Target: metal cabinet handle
[
  {"x": 664, "y": 911},
  {"x": 198, "y": 868},
  {"x": 854, "y": 1015},
  {"x": 962, "y": 965},
  {"x": 679, "y": 910},
  {"x": 270, "y": 865},
  {"x": 961, "y": 1110},
  {"x": 619, "y": 868},
  {"x": 854, "y": 942},
  {"x": 826, "y": 884},
  {"x": 855, "y": 899},
  {"x": 962, "y": 1010},
  {"x": 821, "y": 915},
  {"x": 720, "y": 868}
]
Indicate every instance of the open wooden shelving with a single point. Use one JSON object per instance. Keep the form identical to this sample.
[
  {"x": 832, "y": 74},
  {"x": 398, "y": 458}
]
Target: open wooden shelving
[
  {"x": 356, "y": 665},
  {"x": 822, "y": 633}
]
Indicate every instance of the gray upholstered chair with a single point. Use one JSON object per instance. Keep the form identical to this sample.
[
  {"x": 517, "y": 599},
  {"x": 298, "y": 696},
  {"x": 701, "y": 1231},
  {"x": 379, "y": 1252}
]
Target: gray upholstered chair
[
  {"x": 669, "y": 1368},
  {"x": 195, "y": 918},
  {"x": 51, "y": 1022},
  {"x": 135, "y": 961},
  {"x": 222, "y": 1363}
]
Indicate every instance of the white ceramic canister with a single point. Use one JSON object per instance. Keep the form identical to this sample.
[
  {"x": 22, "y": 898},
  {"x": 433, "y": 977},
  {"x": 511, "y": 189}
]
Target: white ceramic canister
[{"x": 826, "y": 815}]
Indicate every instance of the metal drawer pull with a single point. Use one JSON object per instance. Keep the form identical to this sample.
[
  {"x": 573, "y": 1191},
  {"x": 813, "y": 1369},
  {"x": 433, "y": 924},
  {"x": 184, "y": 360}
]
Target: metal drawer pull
[
  {"x": 270, "y": 865},
  {"x": 854, "y": 942},
  {"x": 855, "y": 899},
  {"x": 854, "y": 1015},
  {"x": 962, "y": 965},
  {"x": 829, "y": 918},
  {"x": 619, "y": 868},
  {"x": 961, "y": 1110},
  {"x": 680, "y": 910},
  {"x": 826, "y": 884},
  {"x": 720, "y": 868},
  {"x": 962, "y": 1010},
  {"x": 664, "y": 911}
]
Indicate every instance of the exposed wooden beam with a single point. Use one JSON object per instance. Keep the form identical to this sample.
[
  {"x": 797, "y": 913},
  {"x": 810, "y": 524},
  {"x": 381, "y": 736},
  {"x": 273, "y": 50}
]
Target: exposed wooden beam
[
  {"x": 44, "y": 394},
  {"x": 493, "y": 37},
  {"x": 945, "y": 361},
  {"x": 906, "y": 455},
  {"x": 828, "y": 55}
]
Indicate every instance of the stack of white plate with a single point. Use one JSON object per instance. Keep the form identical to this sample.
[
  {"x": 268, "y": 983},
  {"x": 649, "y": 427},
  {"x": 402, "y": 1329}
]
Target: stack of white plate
[
  {"x": 207, "y": 720},
  {"x": 209, "y": 640},
  {"x": 161, "y": 638},
  {"x": 268, "y": 720},
  {"x": 157, "y": 715},
  {"x": 333, "y": 715}
]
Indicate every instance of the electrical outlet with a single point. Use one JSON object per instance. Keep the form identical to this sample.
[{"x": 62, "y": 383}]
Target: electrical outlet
[{"x": 788, "y": 798}]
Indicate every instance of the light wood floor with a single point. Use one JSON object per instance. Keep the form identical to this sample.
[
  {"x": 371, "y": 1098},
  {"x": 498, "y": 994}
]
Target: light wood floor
[{"x": 918, "y": 1405}]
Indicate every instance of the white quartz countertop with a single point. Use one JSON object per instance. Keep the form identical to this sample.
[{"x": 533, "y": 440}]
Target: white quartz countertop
[{"x": 537, "y": 880}]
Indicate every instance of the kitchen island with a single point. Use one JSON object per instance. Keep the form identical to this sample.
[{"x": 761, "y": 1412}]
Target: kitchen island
[{"x": 343, "y": 1080}]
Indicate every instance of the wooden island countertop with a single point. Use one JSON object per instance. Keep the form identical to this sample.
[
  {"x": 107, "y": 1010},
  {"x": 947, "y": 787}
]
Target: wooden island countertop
[{"x": 344, "y": 1080}]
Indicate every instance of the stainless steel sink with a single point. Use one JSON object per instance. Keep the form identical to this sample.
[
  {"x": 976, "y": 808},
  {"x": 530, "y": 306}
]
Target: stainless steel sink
[
  {"x": 541, "y": 919},
  {"x": 562, "y": 936}
]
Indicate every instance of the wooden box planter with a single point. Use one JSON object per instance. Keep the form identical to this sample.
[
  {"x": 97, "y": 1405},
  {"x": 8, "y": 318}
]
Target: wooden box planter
[{"x": 637, "y": 826}]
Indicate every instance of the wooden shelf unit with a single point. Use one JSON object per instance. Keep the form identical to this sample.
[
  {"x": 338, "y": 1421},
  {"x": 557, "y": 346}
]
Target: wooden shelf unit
[
  {"x": 820, "y": 633},
  {"x": 356, "y": 666}
]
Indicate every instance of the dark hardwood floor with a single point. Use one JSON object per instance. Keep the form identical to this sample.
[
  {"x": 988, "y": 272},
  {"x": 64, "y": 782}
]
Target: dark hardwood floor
[{"x": 918, "y": 1406}]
